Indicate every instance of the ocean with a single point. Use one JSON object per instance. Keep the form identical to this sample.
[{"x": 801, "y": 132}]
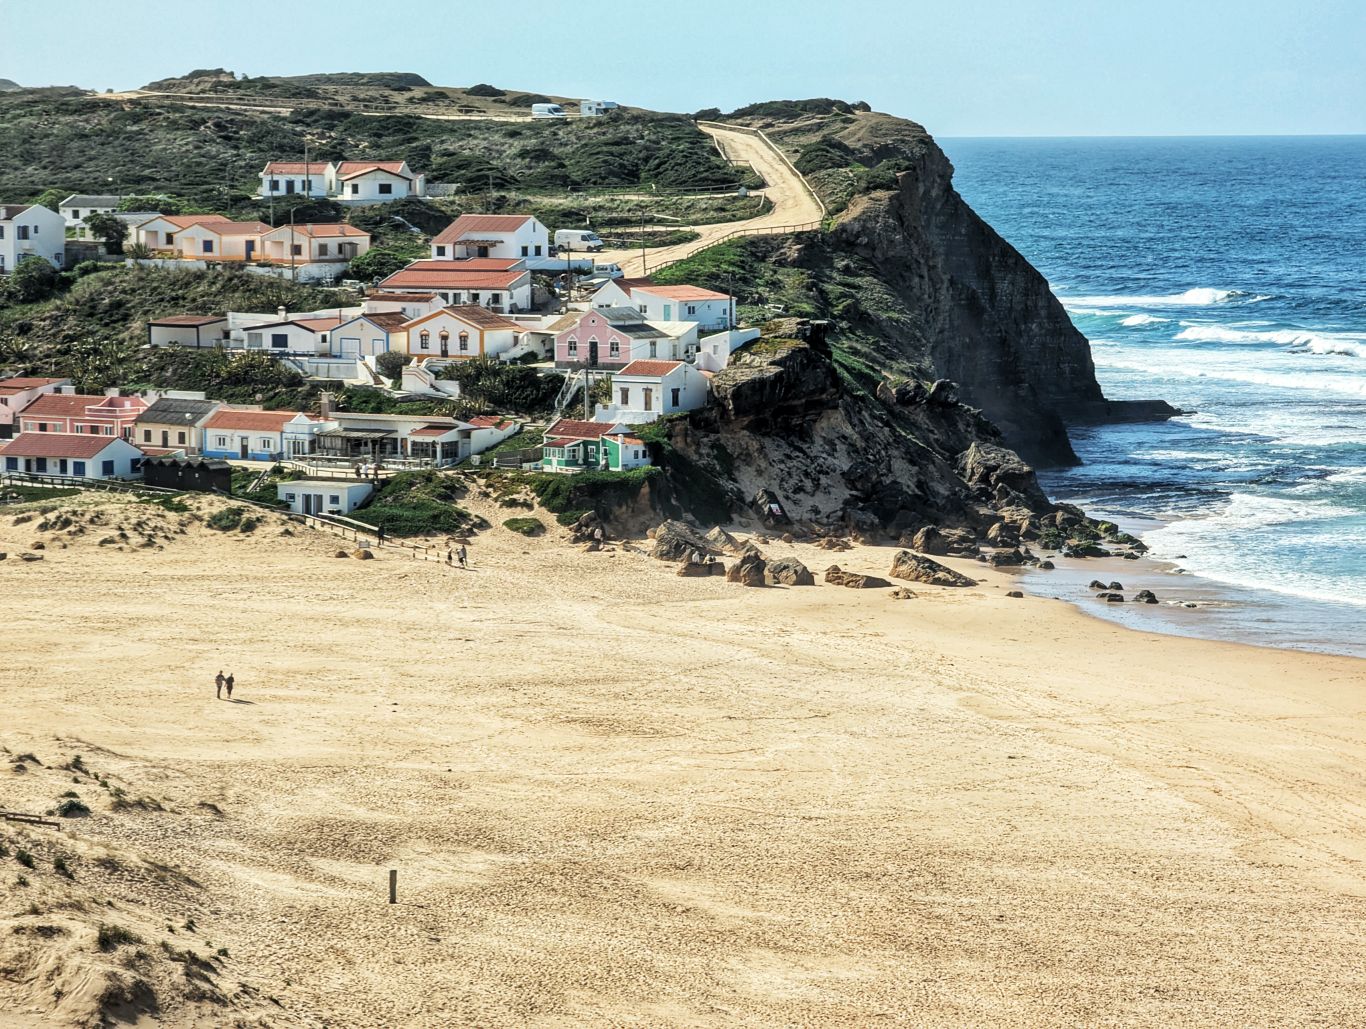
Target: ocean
[{"x": 1227, "y": 276}]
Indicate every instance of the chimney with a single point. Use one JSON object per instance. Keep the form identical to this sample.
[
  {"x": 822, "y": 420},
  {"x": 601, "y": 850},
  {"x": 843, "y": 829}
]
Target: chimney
[
  {"x": 282, "y": 312},
  {"x": 111, "y": 391},
  {"x": 325, "y": 405}
]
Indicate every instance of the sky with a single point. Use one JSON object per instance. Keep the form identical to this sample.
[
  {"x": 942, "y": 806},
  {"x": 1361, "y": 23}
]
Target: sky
[{"x": 960, "y": 67}]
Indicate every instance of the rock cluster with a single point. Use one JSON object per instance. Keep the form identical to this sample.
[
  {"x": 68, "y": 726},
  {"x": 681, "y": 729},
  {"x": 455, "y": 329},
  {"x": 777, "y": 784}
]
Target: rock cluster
[{"x": 914, "y": 568}]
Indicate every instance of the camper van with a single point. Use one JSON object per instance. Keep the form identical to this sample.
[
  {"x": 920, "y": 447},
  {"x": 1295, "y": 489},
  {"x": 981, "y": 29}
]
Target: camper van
[
  {"x": 582, "y": 240},
  {"x": 596, "y": 108},
  {"x": 547, "y": 111}
]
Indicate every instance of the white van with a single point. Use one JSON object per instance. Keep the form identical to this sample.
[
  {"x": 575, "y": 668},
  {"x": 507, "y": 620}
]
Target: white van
[
  {"x": 596, "y": 108},
  {"x": 547, "y": 111},
  {"x": 608, "y": 271},
  {"x": 579, "y": 240}
]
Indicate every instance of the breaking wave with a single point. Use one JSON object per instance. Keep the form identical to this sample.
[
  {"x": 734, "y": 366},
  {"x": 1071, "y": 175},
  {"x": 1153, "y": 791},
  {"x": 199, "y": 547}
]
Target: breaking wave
[{"x": 1202, "y": 296}]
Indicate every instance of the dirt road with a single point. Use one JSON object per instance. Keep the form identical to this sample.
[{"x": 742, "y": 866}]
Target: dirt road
[{"x": 793, "y": 204}]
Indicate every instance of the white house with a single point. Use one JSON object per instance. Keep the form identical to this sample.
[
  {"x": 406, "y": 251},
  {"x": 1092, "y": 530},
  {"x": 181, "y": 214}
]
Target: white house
[
  {"x": 321, "y": 496},
  {"x": 290, "y": 178},
  {"x": 80, "y": 455},
  {"x": 249, "y": 435},
  {"x": 461, "y": 332},
  {"x": 17, "y": 393},
  {"x": 79, "y": 206},
  {"x": 158, "y": 233},
  {"x": 298, "y": 335},
  {"x": 491, "y": 235},
  {"x": 307, "y": 244},
  {"x": 410, "y": 305},
  {"x": 708, "y": 308},
  {"x": 502, "y": 285},
  {"x": 375, "y": 181},
  {"x": 369, "y": 334},
  {"x": 713, "y": 352},
  {"x": 221, "y": 241},
  {"x": 616, "y": 292},
  {"x": 646, "y": 390},
  {"x": 31, "y": 230}
]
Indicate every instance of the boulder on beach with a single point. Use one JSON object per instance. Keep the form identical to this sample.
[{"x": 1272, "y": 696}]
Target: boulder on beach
[
  {"x": 363, "y": 554},
  {"x": 944, "y": 542},
  {"x": 853, "y": 580},
  {"x": 338, "y": 553},
  {"x": 723, "y": 541},
  {"x": 1096, "y": 584},
  {"x": 678, "y": 541},
  {"x": 30, "y": 557},
  {"x": 695, "y": 570},
  {"x": 1117, "y": 586},
  {"x": 788, "y": 571},
  {"x": 1016, "y": 594},
  {"x": 1047, "y": 566},
  {"x": 902, "y": 593},
  {"x": 748, "y": 571},
  {"x": 1145, "y": 597},
  {"x": 915, "y": 568},
  {"x": 1006, "y": 558}
]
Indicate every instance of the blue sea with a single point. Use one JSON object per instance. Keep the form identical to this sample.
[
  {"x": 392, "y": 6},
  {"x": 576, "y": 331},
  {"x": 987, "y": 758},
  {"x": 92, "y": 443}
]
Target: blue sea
[{"x": 1227, "y": 276}]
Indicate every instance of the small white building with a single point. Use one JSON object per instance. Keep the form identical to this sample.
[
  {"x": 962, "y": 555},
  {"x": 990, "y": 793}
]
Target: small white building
[
  {"x": 507, "y": 236},
  {"x": 76, "y": 208},
  {"x": 31, "y": 230},
  {"x": 295, "y": 178},
  {"x": 188, "y": 330},
  {"x": 309, "y": 244},
  {"x": 501, "y": 285},
  {"x": 369, "y": 334},
  {"x": 249, "y": 435},
  {"x": 158, "y": 233},
  {"x": 375, "y": 181},
  {"x": 708, "y": 308},
  {"x": 646, "y": 390},
  {"x": 616, "y": 293},
  {"x": 79, "y": 455},
  {"x": 221, "y": 241},
  {"x": 410, "y": 305},
  {"x": 322, "y": 496},
  {"x": 713, "y": 352}
]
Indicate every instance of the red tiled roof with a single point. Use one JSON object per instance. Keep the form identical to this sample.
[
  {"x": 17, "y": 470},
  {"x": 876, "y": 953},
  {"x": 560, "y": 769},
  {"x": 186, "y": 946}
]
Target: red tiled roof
[
  {"x": 470, "y": 264},
  {"x": 399, "y": 297},
  {"x": 627, "y": 284},
  {"x": 386, "y": 320},
  {"x": 562, "y": 442},
  {"x": 323, "y": 230},
  {"x": 655, "y": 369},
  {"x": 433, "y": 430},
  {"x": 350, "y": 169},
  {"x": 252, "y": 421},
  {"x": 238, "y": 228},
  {"x": 685, "y": 293},
  {"x": 630, "y": 441},
  {"x": 58, "y": 444},
  {"x": 189, "y": 319},
  {"x": 468, "y": 223},
  {"x": 579, "y": 429},
  {"x": 453, "y": 278},
  {"x": 488, "y": 421},
  {"x": 20, "y": 383},
  {"x": 472, "y": 315},
  {"x": 184, "y": 221},
  {"x": 65, "y": 405},
  {"x": 296, "y": 168},
  {"x": 318, "y": 324}
]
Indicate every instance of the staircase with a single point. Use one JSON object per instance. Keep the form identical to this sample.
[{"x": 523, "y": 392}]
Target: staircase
[{"x": 574, "y": 381}]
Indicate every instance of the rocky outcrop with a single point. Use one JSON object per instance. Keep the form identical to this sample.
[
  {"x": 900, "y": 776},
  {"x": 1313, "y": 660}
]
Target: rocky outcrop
[
  {"x": 748, "y": 571},
  {"x": 915, "y": 568},
  {"x": 788, "y": 571},
  {"x": 678, "y": 541},
  {"x": 945, "y": 542},
  {"x": 835, "y": 576}
]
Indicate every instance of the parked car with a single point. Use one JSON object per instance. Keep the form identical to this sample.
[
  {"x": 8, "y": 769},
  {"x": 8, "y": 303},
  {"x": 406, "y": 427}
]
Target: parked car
[
  {"x": 581, "y": 240},
  {"x": 547, "y": 111}
]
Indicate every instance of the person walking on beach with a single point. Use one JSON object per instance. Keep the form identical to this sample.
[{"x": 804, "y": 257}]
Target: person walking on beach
[
  {"x": 450, "y": 558},
  {"x": 228, "y": 683},
  {"x": 379, "y": 535},
  {"x": 463, "y": 555},
  {"x": 218, "y": 685}
]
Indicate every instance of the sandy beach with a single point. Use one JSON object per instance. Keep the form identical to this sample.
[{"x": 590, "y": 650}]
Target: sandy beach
[{"x": 617, "y": 796}]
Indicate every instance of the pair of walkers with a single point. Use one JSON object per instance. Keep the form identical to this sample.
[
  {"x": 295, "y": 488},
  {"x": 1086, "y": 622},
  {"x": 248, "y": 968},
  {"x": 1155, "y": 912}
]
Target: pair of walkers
[
  {"x": 461, "y": 555},
  {"x": 221, "y": 682}
]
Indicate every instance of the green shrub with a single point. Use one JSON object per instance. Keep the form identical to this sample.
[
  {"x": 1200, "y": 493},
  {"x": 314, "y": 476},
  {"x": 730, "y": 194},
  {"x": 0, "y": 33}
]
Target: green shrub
[
  {"x": 72, "y": 809},
  {"x": 226, "y": 520},
  {"x": 486, "y": 383},
  {"x": 417, "y": 504},
  {"x": 391, "y": 362},
  {"x": 111, "y": 937},
  {"x": 23, "y": 857},
  {"x": 525, "y": 526},
  {"x": 484, "y": 89}
]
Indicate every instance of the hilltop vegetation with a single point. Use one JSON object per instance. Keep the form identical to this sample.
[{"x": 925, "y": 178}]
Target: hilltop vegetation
[{"x": 72, "y": 141}]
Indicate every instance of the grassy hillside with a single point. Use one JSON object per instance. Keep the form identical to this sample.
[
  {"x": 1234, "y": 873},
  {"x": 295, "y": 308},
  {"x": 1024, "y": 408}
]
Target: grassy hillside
[{"x": 73, "y": 141}]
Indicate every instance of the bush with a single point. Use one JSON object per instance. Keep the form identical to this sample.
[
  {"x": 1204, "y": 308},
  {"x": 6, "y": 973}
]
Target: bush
[
  {"x": 418, "y": 503},
  {"x": 111, "y": 937},
  {"x": 391, "y": 362},
  {"x": 72, "y": 809},
  {"x": 484, "y": 89},
  {"x": 33, "y": 279},
  {"x": 382, "y": 261},
  {"x": 227, "y": 519},
  {"x": 525, "y": 526},
  {"x": 23, "y": 857},
  {"x": 527, "y": 99},
  {"x": 489, "y": 383}
]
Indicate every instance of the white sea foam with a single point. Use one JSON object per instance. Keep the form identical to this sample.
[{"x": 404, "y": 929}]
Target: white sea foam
[
  {"x": 1203, "y": 296},
  {"x": 1340, "y": 343},
  {"x": 1136, "y": 320}
]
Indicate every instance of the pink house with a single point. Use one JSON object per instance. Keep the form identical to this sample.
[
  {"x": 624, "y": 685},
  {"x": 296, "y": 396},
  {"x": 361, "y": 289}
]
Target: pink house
[
  {"x": 610, "y": 337},
  {"x": 108, "y": 415},
  {"x": 17, "y": 393}
]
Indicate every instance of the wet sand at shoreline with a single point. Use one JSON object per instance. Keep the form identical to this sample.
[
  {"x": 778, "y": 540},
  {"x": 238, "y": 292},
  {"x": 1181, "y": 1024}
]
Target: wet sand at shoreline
[{"x": 618, "y": 796}]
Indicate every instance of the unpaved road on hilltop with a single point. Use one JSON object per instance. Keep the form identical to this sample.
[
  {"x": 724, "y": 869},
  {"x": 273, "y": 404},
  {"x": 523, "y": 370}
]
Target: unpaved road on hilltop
[{"x": 793, "y": 204}]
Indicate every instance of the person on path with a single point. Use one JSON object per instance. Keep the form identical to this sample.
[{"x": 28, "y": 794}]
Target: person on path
[
  {"x": 228, "y": 683},
  {"x": 379, "y": 535},
  {"x": 450, "y": 558},
  {"x": 463, "y": 555},
  {"x": 218, "y": 684},
  {"x": 598, "y": 534}
]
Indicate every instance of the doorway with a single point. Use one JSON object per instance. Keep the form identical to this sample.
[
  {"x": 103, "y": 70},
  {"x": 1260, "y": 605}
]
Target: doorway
[{"x": 244, "y": 448}]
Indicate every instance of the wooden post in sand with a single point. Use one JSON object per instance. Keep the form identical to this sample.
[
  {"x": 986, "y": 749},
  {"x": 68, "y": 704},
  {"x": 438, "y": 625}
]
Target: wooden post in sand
[{"x": 393, "y": 886}]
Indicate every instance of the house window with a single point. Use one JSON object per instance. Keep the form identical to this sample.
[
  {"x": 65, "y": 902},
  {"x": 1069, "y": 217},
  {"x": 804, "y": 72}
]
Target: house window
[
  {"x": 692, "y": 308},
  {"x": 573, "y": 347},
  {"x": 334, "y": 499},
  {"x": 649, "y": 395},
  {"x": 464, "y": 342},
  {"x": 322, "y": 249},
  {"x": 78, "y": 468},
  {"x": 290, "y": 497},
  {"x": 538, "y": 250},
  {"x": 495, "y": 299},
  {"x": 208, "y": 246},
  {"x": 23, "y": 231},
  {"x": 441, "y": 251},
  {"x": 275, "y": 185},
  {"x": 386, "y": 189},
  {"x": 614, "y": 348},
  {"x": 221, "y": 441},
  {"x": 526, "y": 251},
  {"x": 355, "y": 189},
  {"x": 279, "y": 340},
  {"x": 147, "y": 435},
  {"x": 265, "y": 440},
  {"x": 625, "y": 395},
  {"x": 674, "y": 393},
  {"x": 11, "y": 464},
  {"x": 180, "y": 438},
  {"x": 107, "y": 467},
  {"x": 254, "y": 339},
  {"x": 652, "y": 348},
  {"x": 425, "y": 340},
  {"x": 297, "y": 249},
  {"x": 474, "y": 298}
]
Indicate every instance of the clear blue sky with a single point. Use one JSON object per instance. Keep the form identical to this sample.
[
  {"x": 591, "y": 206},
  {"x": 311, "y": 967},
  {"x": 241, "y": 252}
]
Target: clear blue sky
[{"x": 962, "y": 67}]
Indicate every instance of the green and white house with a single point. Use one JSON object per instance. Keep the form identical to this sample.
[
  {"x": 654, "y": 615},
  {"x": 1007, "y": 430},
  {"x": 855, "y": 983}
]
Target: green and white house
[{"x": 577, "y": 446}]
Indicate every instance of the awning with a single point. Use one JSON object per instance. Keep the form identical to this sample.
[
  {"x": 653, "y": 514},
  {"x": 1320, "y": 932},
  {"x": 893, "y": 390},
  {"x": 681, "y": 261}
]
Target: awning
[{"x": 356, "y": 434}]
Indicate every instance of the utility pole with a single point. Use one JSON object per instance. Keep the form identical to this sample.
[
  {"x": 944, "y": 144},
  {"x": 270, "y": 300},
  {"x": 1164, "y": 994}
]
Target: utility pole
[{"x": 642, "y": 243}]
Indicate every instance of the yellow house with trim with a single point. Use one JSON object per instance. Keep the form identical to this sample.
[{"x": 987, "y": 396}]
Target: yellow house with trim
[{"x": 462, "y": 333}]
